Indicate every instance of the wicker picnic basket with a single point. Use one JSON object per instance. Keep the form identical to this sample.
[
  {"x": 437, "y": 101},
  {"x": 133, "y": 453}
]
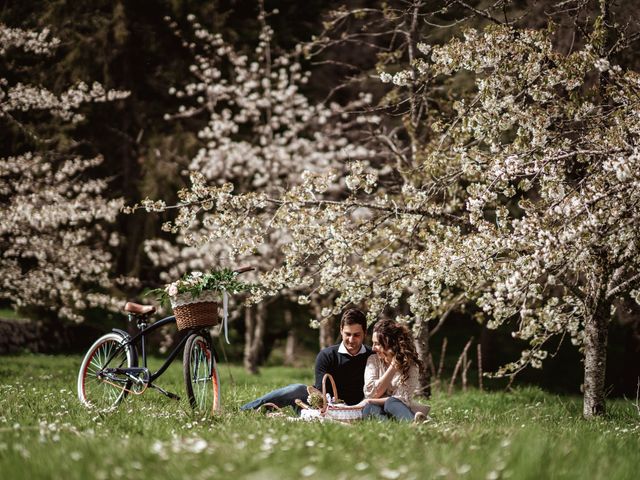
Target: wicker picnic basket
[
  {"x": 338, "y": 412},
  {"x": 191, "y": 312}
]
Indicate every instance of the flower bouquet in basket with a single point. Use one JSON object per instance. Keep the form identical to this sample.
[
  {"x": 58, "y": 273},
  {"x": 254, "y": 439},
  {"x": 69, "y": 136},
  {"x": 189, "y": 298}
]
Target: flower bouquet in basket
[{"x": 196, "y": 296}]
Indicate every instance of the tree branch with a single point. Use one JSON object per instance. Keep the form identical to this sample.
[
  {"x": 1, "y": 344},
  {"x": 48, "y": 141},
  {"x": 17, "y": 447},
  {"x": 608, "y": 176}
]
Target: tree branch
[
  {"x": 483, "y": 14},
  {"x": 622, "y": 288}
]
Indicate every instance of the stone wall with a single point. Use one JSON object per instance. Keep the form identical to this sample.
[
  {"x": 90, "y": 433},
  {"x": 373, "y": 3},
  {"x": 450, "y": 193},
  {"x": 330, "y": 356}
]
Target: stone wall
[{"x": 19, "y": 336}]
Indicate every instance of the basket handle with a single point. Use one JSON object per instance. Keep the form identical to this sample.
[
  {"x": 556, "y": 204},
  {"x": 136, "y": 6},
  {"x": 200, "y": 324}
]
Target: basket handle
[
  {"x": 325, "y": 405},
  {"x": 301, "y": 404}
]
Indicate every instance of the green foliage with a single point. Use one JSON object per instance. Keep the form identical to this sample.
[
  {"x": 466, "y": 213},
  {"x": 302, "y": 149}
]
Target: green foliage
[
  {"x": 45, "y": 433},
  {"x": 195, "y": 283}
]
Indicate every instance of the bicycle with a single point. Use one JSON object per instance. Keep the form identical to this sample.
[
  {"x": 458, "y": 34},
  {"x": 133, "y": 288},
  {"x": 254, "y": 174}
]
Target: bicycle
[{"x": 109, "y": 370}]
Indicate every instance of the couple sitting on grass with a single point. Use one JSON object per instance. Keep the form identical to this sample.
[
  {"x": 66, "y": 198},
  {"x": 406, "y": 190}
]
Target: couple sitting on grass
[{"x": 382, "y": 379}]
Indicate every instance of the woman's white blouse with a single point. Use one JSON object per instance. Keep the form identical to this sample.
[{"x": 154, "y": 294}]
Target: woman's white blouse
[{"x": 403, "y": 391}]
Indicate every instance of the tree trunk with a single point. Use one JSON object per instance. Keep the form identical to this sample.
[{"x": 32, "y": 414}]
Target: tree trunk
[
  {"x": 254, "y": 322},
  {"x": 290, "y": 346},
  {"x": 595, "y": 360},
  {"x": 327, "y": 333},
  {"x": 422, "y": 348},
  {"x": 597, "y": 325}
]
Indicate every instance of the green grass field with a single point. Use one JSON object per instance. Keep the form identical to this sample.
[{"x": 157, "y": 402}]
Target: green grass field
[{"x": 46, "y": 433}]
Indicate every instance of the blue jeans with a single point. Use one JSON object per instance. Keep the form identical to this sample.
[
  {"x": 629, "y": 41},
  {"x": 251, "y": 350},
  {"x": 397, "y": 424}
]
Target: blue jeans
[
  {"x": 392, "y": 408},
  {"x": 282, "y": 397}
]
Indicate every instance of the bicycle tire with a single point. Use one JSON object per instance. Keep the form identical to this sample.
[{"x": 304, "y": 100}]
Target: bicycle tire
[
  {"x": 96, "y": 392},
  {"x": 201, "y": 378}
]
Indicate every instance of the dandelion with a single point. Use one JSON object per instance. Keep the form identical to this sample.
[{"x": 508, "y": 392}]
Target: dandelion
[
  {"x": 308, "y": 471},
  {"x": 195, "y": 445},
  {"x": 389, "y": 473}
]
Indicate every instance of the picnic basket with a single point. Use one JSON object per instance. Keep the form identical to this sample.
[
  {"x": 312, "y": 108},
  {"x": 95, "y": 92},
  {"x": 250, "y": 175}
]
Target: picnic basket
[{"x": 331, "y": 410}]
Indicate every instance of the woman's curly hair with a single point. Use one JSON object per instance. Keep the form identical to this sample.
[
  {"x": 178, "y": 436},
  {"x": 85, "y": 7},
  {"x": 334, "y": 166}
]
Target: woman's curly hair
[{"x": 397, "y": 338}]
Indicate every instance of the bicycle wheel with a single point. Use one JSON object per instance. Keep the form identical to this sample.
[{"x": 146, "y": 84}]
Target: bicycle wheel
[
  {"x": 96, "y": 388},
  {"x": 201, "y": 374}
]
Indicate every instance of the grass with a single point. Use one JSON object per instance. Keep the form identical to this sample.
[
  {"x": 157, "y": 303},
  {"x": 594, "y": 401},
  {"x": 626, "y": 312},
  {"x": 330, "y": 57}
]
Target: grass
[
  {"x": 46, "y": 433},
  {"x": 10, "y": 314}
]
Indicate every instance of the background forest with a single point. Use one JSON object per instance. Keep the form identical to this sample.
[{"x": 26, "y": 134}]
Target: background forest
[{"x": 414, "y": 113}]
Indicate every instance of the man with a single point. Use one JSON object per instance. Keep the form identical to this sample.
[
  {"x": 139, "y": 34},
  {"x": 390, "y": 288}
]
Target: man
[{"x": 345, "y": 362}]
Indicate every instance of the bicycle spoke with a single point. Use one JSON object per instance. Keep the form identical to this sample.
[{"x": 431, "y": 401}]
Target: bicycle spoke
[
  {"x": 199, "y": 366},
  {"x": 104, "y": 391},
  {"x": 201, "y": 390}
]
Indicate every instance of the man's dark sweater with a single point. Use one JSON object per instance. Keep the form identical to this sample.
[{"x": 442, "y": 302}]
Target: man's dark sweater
[{"x": 346, "y": 370}]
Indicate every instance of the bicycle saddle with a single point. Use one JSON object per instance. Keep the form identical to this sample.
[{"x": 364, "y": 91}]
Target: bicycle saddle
[{"x": 138, "y": 309}]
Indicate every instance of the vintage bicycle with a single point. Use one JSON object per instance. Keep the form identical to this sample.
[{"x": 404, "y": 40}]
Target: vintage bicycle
[{"x": 110, "y": 369}]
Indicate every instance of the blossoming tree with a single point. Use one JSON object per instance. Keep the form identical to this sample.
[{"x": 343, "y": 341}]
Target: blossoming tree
[
  {"x": 549, "y": 151},
  {"x": 51, "y": 230},
  {"x": 258, "y": 131}
]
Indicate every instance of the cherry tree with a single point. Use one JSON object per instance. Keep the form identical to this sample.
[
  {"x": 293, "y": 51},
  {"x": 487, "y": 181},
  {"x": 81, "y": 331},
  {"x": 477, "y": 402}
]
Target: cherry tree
[
  {"x": 549, "y": 151},
  {"x": 258, "y": 130},
  {"x": 52, "y": 233}
]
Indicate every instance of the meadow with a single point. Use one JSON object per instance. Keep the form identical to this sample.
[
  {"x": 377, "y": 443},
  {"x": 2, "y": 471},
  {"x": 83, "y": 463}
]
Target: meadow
[{"x": 526, "y": 433}]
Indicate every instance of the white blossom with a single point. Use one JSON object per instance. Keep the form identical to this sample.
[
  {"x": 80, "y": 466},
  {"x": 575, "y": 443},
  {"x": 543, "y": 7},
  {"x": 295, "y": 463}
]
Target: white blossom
[{"x": 52, "y": 233}]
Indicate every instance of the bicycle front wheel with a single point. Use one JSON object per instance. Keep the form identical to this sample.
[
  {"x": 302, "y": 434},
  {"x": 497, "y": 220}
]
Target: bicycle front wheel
[
  {"x": 98, "y": 385},
  {"x": 201, "y": 374}
]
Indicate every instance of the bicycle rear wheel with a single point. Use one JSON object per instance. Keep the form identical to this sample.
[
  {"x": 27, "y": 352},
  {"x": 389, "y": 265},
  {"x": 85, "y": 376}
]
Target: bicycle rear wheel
[
  {"x": 97, "y": 389},
  {"x": 201, "y": 374}
]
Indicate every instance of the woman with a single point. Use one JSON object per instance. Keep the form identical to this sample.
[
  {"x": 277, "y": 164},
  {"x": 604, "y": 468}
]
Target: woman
[{"x": 391, "y": 375}]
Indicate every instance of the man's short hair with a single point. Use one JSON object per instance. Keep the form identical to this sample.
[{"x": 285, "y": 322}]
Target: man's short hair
[{"x": 353, "y": 316}]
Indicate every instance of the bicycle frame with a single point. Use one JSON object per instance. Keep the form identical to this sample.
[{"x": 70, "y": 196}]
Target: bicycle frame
[{"x": 140, "y": 338}]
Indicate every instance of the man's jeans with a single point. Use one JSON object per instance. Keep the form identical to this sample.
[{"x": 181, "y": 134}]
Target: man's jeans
[
  {"x": 392, "y": 408},
  {"x": 282, "y": 397}
]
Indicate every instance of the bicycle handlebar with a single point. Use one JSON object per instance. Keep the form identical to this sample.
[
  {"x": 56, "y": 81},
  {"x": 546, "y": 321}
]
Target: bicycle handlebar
[{"x": 244, "y": 269}]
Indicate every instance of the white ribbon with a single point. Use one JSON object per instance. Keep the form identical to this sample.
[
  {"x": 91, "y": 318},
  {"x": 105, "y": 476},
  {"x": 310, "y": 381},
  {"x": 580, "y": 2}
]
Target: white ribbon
[{"x": 225, "y": 314}]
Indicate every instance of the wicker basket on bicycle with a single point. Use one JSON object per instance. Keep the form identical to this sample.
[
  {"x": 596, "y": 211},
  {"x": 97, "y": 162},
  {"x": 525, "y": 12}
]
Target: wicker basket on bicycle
[{"x": 201, "y": 311}]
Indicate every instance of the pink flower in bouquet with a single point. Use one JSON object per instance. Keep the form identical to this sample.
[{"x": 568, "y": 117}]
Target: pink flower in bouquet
[{"x": 172, "y": 290}]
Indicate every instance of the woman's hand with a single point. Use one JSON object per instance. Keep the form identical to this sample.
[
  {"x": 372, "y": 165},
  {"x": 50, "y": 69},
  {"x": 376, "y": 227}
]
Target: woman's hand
[
  {"x": 392, "y": 363},
  {"x": 362, "y": 403},
  {"x": 395, "y": 363}
]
